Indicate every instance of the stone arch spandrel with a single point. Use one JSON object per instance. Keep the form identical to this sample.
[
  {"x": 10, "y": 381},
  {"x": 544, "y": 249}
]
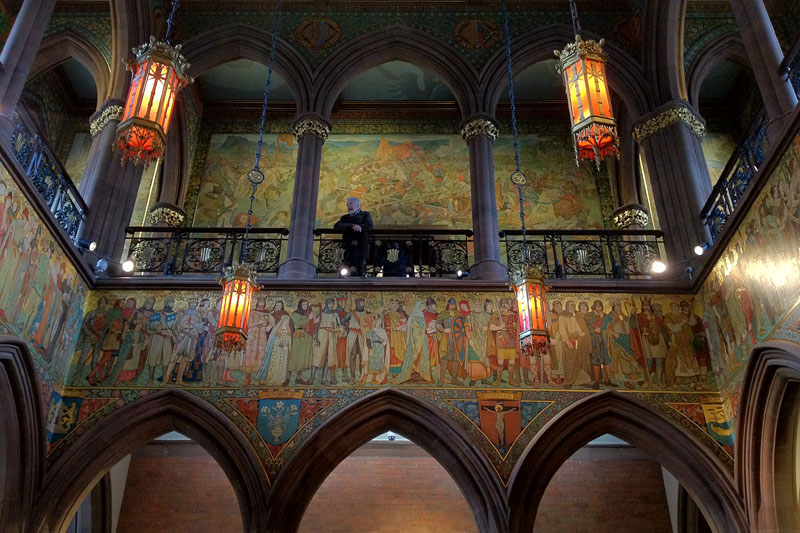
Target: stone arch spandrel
[
  {"x": 23, "y": 443},
  {"x": 726, "y": 47},
  {"x": 131, "y": 25},
  {"x": 391, "y": 44},
  {"x": 240, "y": 41},
  {"x": 366, "y": 418},
  {"x": 122, "y": 432},
  {"x": 62, "y": 46},
  {"x": 625, "y": 76},
  {"x": 772, "y": 370},
  {"x": 663, "y": 49},
  {"x": 610, "y": 412}
]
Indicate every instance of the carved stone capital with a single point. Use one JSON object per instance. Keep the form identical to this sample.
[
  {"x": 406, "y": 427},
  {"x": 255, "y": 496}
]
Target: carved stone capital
[
  {"x": 311, "y": 125},
  {"x": 676, "y": 113},
  {"x": 479, "y": 126},
  {"x": 166, "y": 214},
  {"x": 632, "y": 216},
  {"x": 109, "y": 113}
]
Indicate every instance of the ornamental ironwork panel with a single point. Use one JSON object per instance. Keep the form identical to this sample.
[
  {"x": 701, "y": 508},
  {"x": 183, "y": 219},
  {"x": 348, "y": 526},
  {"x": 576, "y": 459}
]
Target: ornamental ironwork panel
[
  {"x": 636, "y": 257},
  {"x": 149, "y": 254},
  {"x": 330, "y": 256},
  {"x": 203, "y": 255},
  {"x": 263, "y": 254},
  {"x": 537, "y": 256},
  {"x": 584, "y": 258}
]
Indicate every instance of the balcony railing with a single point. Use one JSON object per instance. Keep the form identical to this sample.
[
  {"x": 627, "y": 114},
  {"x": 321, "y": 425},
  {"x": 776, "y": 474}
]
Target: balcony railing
[
  {"x": 736, "y": 177},
  {"x": 421, "y": 253},
  {"x": 196, "y": 251},
  {"x": 48, "y": 177},
  {"x": 587, "y": 254}
]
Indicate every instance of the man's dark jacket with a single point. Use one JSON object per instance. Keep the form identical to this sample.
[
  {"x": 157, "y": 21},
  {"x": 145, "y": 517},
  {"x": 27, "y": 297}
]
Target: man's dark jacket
[{"x": 356, "y": 243}]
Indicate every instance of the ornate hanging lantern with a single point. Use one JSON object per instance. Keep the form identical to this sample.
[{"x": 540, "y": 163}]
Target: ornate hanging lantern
[
  {"x": 239, "y": 282},
  {"x": 159, "y": 73},
  {"x": 582, "y": 65},
  {"x": 533, "y": 323},
  {"x": 238, "y": 286}
]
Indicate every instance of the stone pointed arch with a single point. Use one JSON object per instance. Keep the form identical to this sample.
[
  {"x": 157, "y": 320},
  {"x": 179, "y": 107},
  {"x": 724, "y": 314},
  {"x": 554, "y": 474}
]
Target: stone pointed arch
[
  {"x": 122, "y": 432},
  {"x": 624, "y": 74},
  {"x": 663, "y": 49},
  {"x": 23, "y": 443},
  {"x": 131, "y": 25},
  {"x": 364, "y": 419},
  {"x": 729, "y": 46},
  {"x": 64, "y": 45},
  {"x": 610, "y": 412},
  {"x": 241, "y": 41},
  {"x": 770, "y": 398},
  {"x": 391, "y": 44}
]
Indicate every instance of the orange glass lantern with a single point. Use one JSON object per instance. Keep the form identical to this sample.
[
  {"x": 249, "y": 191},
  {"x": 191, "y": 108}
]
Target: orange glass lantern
[
  {"x": 159, "y": 72},
  {"x": 533, "y": 323},
  {"x": 582, "y": 65},
  {"x": 238, "y": 286}
]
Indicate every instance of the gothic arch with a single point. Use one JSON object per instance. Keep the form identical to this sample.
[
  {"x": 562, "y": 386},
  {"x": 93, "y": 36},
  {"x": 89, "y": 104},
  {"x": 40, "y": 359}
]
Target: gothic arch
[
  {"x": 390, "y": 44},
  {"x": 62, "y": 46},
  {"x": 769, "y": 394},
  {"x": 624, "y": 74},
  {"x": 366, "y": 418},
  {"x": 727, "y": 46},
  {"x": 237, "y": 41},
  {"x": 610, "y": 412},
  {"x": 663, "y": 50},
  {"x": 122, "y": 432},
  {"x": 22, "y": 437}
]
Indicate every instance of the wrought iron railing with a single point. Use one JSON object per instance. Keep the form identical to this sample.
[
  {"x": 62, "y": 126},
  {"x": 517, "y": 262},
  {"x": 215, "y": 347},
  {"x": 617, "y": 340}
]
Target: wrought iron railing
[
  {"x": 48, "y": 177},
  {"x": 425, "y": 253},
  {"x": 736, "y": 177},
  {"x": 587, "y": 254},
  {"x": 188, "y": 251}
]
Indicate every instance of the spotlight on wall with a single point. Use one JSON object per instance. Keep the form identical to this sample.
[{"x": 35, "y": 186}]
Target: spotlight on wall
[
  {"x": 85, "y": 245},
  {"x": 101, "y": 266},
  {"x": 701, "y": 248},
  {"x": 462, "y": 273},
  {"x": 344, "y": 272},
  {"x": 127, "y": 266},
  {"x": 658, "y": 267}
]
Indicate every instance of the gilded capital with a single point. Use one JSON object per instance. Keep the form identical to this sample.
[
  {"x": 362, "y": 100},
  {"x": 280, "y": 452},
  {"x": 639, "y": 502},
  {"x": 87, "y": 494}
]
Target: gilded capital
[
  {"x": 632, "y": 216},
  {"x": 479, "y": 126},
  {"x": 164, "y": 214},
  {"x": 112, "y": 112},
  {"x": 313, "y": 126},
  {"x": 666, "y": 118}
]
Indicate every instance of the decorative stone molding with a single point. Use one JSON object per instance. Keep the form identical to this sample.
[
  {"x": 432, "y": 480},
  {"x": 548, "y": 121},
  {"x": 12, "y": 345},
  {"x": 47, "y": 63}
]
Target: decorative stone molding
[
  {"x": 667, "y": 118},
  {"x": 112, "y": 112},
  {"x": 313, "y": 126},
  {"x": 630, "y": 215},
  {"x": 165, "y": 214},
  {"x": 479, "y": 126}
]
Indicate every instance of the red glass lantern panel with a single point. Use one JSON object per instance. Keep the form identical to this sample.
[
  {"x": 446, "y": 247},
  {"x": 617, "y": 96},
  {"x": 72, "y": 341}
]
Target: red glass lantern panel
[{"x": 238, "y": 287}]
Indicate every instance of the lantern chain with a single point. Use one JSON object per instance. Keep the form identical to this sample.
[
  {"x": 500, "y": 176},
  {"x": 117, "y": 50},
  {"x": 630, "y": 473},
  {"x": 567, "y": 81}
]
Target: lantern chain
[
  {"x": 256, "y": 176},
  {"x": 171, "y": 21},
  {"x": 573, "y": 11},
  {"x": 514, "y": 127}
]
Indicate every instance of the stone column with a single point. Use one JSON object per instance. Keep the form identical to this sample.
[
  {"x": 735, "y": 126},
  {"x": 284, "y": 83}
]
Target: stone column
[
  {"x": 310, "y": 130},
  {"x": 18, "y": 55},
  {"x": 479, "y": 132},
  {"x": 670, "y": 137},
  {"x": 108, "y": 187},
  {"x": 765, "y": 56}
]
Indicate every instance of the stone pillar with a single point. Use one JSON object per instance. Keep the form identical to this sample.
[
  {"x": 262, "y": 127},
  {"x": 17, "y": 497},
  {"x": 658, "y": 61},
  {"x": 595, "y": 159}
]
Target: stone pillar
[
  {"x": 479, "y": 132},
  {"x": 765, "y": 55},
  {"x": 310, "y": 130},
  {"x": 627, "y": 167},
  {"x": 670, "y": 137},
  {"x": 108, "y": 187},
  {"x": 18, "y": 54}
]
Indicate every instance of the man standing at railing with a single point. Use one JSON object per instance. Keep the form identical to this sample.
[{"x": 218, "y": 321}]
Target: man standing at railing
[{"x": 355, "y": 240}]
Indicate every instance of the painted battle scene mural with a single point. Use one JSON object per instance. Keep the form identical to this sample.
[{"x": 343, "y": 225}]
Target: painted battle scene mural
[
  {"x": 404, "y": 180},
  {"x": 757, "y": 279},
  {"x": 41, "y": 297},
  {"x": 409, "y": 339}
]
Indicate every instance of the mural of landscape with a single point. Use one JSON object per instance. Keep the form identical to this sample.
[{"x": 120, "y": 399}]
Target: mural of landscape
[
  {"x": 419, "y": 180},
  {"x": 718, "y": 149}
]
